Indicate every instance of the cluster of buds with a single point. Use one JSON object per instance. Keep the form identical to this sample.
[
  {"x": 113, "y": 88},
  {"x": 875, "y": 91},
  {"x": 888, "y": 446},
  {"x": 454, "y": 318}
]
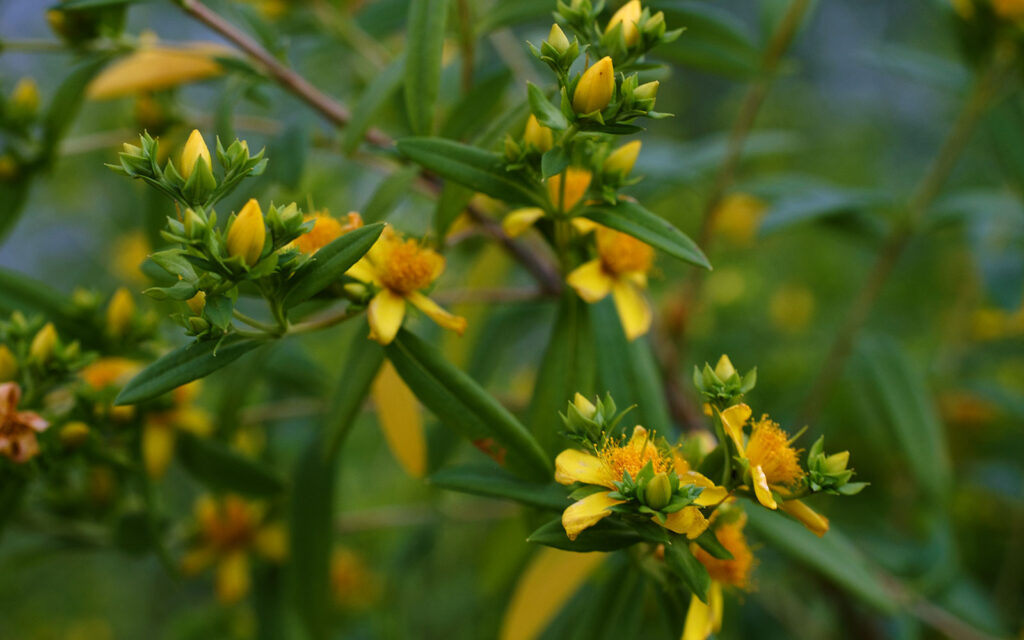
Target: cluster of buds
[
  {"x": 19, "y": 112},
  {"x": 723, "y": 386},
  {"x": 192, "y": 183},
  {"x": 34, "y": 356},
  {"x": 592, "y": 423},
  {"x": 829, "y": 473},
  {"x": 627, "y": 36},
  {"x": 79, "y": 23}
]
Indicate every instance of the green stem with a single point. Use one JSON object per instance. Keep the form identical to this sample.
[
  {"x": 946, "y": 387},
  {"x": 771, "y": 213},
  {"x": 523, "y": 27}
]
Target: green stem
[
  {"x": 256, "y": 324},
  {"x": 324, "y": 322}
]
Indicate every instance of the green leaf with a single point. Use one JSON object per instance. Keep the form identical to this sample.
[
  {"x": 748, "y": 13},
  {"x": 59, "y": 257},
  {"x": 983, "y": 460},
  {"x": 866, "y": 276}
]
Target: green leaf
[
  {"x": 458, "y": 401},
  {"x": 66, "y": 102},
  {"x": 369, "y": 105},
  {"x": 219, "y": 309},
  {"x": 425, "y": 42},
  {"x": 715, "y": 41},
  {"x": 453, "y": 201},
  {"x": 567, "y": 368},
  {"x": 554, "y": 161},
  {"x": 185, "y": 364},
  {"x": 389, "y": 193},
  {"x": 688, "y": 568},
  {"x": 331, "y": 262},
  {"x": 19, "y": 292},
  {"x": 546, "y": 113},
  {"x": 14, "y": 195},
  {"x": 503, "y": 14},
  {"x": 708, "y": 541},
  {"x": 606, "y": 535},
  {"x": 472, "y": 167},
  {"x": 833, "y": 556},
  {"x": 312, "y": 510},
  {"x": 493, "y": 481},
  {"x": 221, "y": 468},
  {"x": 634, "y": 219}
]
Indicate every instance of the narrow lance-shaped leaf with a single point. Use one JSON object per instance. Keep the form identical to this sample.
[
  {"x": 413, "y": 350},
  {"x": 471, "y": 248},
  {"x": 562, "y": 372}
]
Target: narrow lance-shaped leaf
[
  {"x": 331, "y": 262},
  {"x": 687, "y": 567},
  {"x": 606, "y": 535},
  {"x": 632, "y": 218},
  {"x": 220, "y": 468},
  {"x": 546, "y": 113},
  {"x": 374, "y": 96},
  {"x": 423, "y": 61},
  {"x": 494, "y": 482},
  {"x": 185, "y": 364}
]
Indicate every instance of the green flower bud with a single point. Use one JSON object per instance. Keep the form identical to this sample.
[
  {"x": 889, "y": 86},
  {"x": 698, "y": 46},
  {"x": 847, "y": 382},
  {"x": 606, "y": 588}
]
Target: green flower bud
[{"x": 659, "y": 491}]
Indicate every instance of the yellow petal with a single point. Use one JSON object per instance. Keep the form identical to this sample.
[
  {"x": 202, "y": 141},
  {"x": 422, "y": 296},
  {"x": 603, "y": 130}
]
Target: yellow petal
[
  {"x": 688, "y": 521},
  {"x": 634, "y": 312},
  {"x": 716, "y": 603},
  {"x": 437, "y": 313},
  {"x": 573, "y": 465},
  {"x": 518, "y": 221},
  {"x": 712, "y": 493},
  {"x": 761, "y": 489},
  {"x": 363, "y": 271},
  {"x": 549, "y": 581},
  {"x": 733, "y": 420},
  {"x": 233, "y": 577},
  {"x": 385, "y": 316},
  {"x": 401, "y": 420},
  {"x": 590, "y": 281},
  {"x": 698, "y": 620},
  {"x": 272, "y": 542},
  {"x": 157, "y": 68},
  {"x": 193, "y": 420},
  {"x": 586, "y": 513},
  {"x": 157, "y": 448},
  {"x": 814, "y": 521},
  {"x": 583, "y": 225}
]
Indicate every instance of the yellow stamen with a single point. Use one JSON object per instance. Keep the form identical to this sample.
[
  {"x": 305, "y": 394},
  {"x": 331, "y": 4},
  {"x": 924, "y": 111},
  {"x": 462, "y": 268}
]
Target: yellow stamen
[
  {"x": 769, "y": 449},
  {"x": 621, "y": 253},
  {"x": 408, "y": 267},
  {"x": 735, "y": 572}
]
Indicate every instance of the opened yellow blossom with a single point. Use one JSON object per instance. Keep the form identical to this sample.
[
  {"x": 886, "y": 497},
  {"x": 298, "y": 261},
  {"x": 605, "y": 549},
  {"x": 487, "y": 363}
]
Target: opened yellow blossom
[
  {"x": 159, "y": 432},
  {"x": 400, "y": 269},
  {"x": 773, "y": 460},
  {"x": 154, "y": 68},
  {"x": 620, "y": 269},
  {"x": 229, "y": 530},
  {"x": 326, "y": 229},
  {"x": 703, "y": 619},
  {"x": 609, "y": 466}
]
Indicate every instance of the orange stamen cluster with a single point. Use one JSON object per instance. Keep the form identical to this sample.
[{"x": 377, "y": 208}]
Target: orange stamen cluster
[
  {"x": 228, "y": 525},
  {"x": 633, "y": 456},
  {"x": 622, "y": 253},
  {"x": 408, "y": 267},
  {"x": 769, "y": 448},
  {"x": 735, "y": 572},
  {"x": 326, "y": 229}
]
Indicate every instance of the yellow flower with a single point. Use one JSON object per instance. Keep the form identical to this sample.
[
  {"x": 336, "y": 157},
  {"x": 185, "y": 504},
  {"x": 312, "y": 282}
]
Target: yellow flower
[
  {"x": 107, "y": 372},
  {"x": 229, "y": 531},
  {"x": 353, "y": 584},
  {"x": 130, "y": 251},
  {"x": 792, "y": 308},
  {"x": 595, "y": 87},
  {"x": 537, "y": 136},
  {"x": 577, "y": 181},
  {"x": 401, "y": 268},
  {"x": 120, "y": 313},
  {"x": 628, "y": 16},
  {"x": 620, "y": 269},
  {"x": 621, "y": 160},
  {"x": 1009, "y": 9},
  {"x": 326, "y": 229},
  {"x": 609, "y": 466},
  {"x": 25, "y": 98},
  {"x": 400, "y": 418},
  {"x": 247, "y": 234},
  {"x": 737, "y": 218},
  {"x": 195, "y": 148},
  {"x": 704, "y": 619},
  {"x": 772, "y": 459},
  {"x": 159, "y": 430},
  {"x": 43, "y": 344},
  {"x": 153, "y": 68},
  {"x": 814, "y": 521}
]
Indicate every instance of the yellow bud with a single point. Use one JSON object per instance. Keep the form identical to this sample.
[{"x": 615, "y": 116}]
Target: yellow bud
[
  {"x": 577, "y": 181},
  {"x": 659, "y": 491},
  {"x": 120, "y": 312},
  {"x": 8, "y": 364},
  {"x": 197, "y": 302},
  {"x": 537, "y": 135},
  {"x": 621, "y": 160},
  {"x": 647, "y": 91},
  {"x": 595, "y": 88},
  {"x": 836, "y": 463},
  {"x": 628, "y": 15},
  {"x": 724, "y": 369},
  {"x": 247, "y": 234},
  {"x": 43, "y": 344},
  {"x": 814, "y": 521},
  {"x": 74, "y": 434},
  {"x": 557, "y": 39},
  {"x": 195, "y": 148},
  {"x": 584, "y": 406},
  {"x": 25, "y": 97}
]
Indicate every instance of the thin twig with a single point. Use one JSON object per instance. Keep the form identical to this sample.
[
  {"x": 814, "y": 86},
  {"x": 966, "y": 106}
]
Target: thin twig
[
  {"x": 466, "y": 43},
  {"x": 904, "y": 230}
]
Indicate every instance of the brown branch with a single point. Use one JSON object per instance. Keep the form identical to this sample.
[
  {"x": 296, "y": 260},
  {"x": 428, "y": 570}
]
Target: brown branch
[
  {"x": 339, "y": 115},
  {"x": 903, "y": 231}
]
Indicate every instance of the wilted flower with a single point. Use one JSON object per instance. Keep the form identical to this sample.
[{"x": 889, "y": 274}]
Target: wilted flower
[{"x": 18, "y": 429}]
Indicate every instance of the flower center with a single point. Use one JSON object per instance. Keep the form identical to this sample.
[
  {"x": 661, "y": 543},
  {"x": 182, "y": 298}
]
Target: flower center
[
  {"x": 622, "y": 253},
  {"x": 407, "y": 267},
  {"x": 633, "y": 457},
  {"x": 769, "y": 447}
]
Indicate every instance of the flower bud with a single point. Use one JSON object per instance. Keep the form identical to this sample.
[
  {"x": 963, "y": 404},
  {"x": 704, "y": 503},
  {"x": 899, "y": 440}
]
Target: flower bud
[
  {"x": 537, "y": 136},
  {"x": 24, "y": 99},
  {"x": 836, "y": 463},
  {"x": 814, "y": 521},
  {"x": 584, "y": 406},
  {"x": 197, "y": 302},
  {"x": 247, "y": 234},
  {"x": 724, "y": 369},
  {"x": 8, "y": 364},
  {"x": 120, "y": 313},
  {"x": 195, "y": 148},
  {"x": 655, "y": 25},
  {"x": 659, "y": 491},
  {"x": 577, "y": 181},
  {"x": 194, "y": 224},
  {"x": 557, "y": 39},
  {"x": 595, "y": 88},
  {"x": 74, "y": 434},
  {"x": 647, "y": 91},
  {"x": 512, "y": 150},
  {"x": 621, "y": 160},
  {"x": 43, "y": 344},
  {"x": 628, "y": 15}
]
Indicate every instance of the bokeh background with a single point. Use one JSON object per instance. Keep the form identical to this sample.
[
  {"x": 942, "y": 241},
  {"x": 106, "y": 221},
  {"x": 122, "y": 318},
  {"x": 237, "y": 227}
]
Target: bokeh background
[{"x": 930, "y": 402}]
